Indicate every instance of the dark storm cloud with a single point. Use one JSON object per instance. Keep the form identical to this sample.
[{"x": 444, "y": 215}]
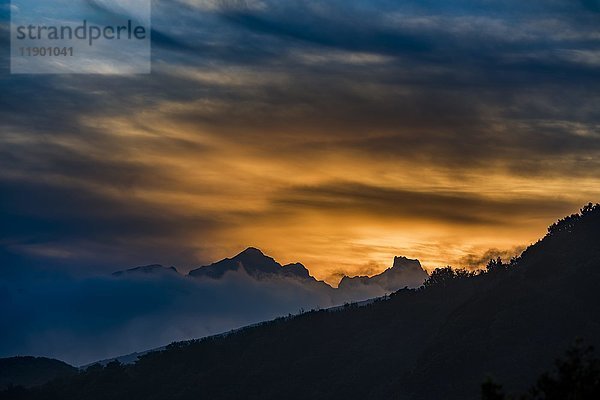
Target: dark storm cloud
[
  {"x": 75, "y": 226},
  {"x": 349, "y": 198},
  {"x": 483, "y": 94},
  {"x": 323, "y": 30}
]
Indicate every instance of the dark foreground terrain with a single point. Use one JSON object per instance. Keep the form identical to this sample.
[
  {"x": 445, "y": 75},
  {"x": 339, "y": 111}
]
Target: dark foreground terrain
[
  {"x": 32, "y": 371},
  {"x": 438, "y": 342}
]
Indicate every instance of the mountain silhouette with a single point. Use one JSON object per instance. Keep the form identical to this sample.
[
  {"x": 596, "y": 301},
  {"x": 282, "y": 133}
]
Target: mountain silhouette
[
  {"x": 440, "y": 341},
  {"x": 255, "y": 263},
  {"x": 404, "y": 273}
]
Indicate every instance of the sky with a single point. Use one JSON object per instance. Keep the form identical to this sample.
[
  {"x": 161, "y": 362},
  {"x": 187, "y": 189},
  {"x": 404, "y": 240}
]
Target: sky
[{"x": 335, "y": 133}]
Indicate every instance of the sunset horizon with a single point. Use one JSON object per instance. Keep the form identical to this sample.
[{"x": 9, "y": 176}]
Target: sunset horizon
[{"x": 194, "y": 193}]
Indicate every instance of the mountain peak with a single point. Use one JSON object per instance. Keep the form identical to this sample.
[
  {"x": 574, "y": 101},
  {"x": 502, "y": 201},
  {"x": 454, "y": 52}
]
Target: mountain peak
[
  {"x": 256, "y": 264},
  {"x": 405, "y": 272},
  {"x": 251, "y": 260},
  {"x": 253, "y": 256},
  {"x": 406, "y": 263},
  {"x": 252, "y": 251}
]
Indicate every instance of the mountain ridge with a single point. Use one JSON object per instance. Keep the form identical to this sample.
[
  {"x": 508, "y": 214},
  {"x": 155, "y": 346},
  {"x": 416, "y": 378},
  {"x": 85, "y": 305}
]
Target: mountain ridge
[{"x": 404, "y": 272}]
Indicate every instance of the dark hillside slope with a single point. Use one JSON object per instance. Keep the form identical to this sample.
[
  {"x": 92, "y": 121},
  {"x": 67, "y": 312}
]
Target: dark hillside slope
[
  {"x": 438, "y": 342},
  {"x": 32, "y": 371},
  {"x": 531, "y": 313}
]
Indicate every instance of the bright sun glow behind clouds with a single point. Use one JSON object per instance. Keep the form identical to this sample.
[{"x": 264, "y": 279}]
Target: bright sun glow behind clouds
[{"x": 340, "y": 212}]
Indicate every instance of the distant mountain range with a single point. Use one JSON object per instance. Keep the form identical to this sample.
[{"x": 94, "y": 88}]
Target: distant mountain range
[
  {"x": 403, "y": 273},
  {"x": 440, "y": 341}
]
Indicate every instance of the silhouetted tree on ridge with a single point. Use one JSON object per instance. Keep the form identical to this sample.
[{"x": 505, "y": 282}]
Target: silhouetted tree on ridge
[{"x": 567, "y": 224}]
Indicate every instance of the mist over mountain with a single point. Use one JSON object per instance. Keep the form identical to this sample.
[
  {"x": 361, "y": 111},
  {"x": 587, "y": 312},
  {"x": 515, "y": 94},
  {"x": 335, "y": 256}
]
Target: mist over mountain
[
  {"x": 437, "y": 342},
  {"x": 85, "y": 319},
  {"x": 251, "y": 260},
  {"x": 403, "y": 273}
]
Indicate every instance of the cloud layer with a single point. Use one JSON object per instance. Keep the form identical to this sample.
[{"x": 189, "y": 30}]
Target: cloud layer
[{"x": 82, "y": 320}]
